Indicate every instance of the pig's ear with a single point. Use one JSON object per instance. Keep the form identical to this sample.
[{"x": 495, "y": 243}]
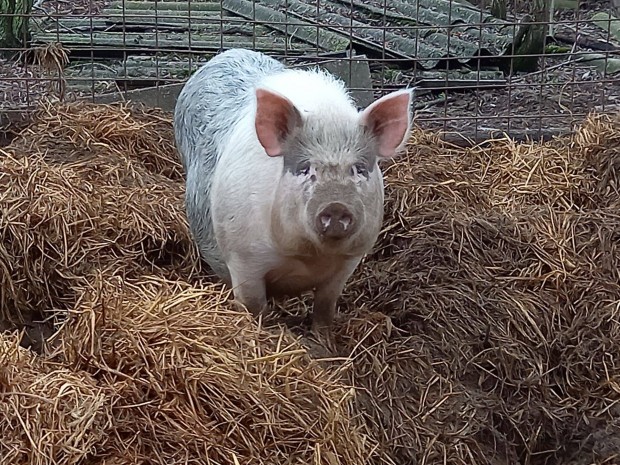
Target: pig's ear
[
  {"x": 276, "y": 118},
  {"x": 389, "y": 121}
]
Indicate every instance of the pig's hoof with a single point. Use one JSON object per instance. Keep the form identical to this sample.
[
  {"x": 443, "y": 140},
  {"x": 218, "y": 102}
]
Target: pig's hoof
[
  {"x": 324, "y": 335},
  {"x": 295, "y": 321},
  {"x": 254, "y": 311}
]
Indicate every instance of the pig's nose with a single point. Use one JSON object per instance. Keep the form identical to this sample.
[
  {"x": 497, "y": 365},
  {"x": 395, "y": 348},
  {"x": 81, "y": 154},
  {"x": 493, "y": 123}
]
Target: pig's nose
[{"x": 335, "y": 221}]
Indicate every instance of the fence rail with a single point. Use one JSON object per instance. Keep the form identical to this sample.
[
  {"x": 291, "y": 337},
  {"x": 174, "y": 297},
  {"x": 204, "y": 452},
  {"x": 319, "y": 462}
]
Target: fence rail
[{"x": 482, "y": 68}]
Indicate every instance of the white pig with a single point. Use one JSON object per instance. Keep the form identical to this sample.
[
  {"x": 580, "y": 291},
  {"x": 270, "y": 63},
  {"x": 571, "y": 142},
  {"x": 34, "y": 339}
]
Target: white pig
[{"x": 283, "y": 190}]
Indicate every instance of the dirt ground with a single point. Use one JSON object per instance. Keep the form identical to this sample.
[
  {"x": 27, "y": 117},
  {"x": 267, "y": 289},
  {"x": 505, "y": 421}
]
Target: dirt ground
[{"x": 551, "y": 100}]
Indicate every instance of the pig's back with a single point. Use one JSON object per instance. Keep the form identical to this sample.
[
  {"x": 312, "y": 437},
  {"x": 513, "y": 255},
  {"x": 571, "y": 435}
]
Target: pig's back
[{"x": 211, "y": 103}]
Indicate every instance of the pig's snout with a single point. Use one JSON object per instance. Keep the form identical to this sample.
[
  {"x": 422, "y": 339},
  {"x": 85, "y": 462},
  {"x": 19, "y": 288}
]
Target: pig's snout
[{"x": 335, "y": 221}]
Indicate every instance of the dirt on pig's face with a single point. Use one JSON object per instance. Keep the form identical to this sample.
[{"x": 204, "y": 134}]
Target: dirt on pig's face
[{"x": 330, "y": 195}]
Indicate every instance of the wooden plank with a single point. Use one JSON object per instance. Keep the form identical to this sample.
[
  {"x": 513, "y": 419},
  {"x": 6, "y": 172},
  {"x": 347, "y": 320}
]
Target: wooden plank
[
  {"x": 404, "y": 12},
  {"x": 465, "y": 10},
  {"x": 425, "y": 12},
  {"x": 168, "y": 14},
  {"x": 290, "y": 26},
  {"x": 148, "y": 70},
  {"x": 105, "y": 22},
  {"x": 161, "y": 6},
  {"x": 466, "y": 39},
  {"x": 167, "y": 41},
  {"x": 459, "y": 79},
  {"x": 426, "y": 44},
  {"x": 460, "y": 74},
  {"x": 398, "y": 46}
]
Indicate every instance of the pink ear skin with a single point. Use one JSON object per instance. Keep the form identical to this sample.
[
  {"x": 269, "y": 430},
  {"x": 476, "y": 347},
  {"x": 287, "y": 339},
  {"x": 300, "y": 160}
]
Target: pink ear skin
[
  {"x": 276, "y": 118},
  {"x": 389, "y": 120}
]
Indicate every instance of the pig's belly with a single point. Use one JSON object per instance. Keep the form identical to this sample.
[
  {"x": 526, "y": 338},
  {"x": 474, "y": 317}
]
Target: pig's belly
[{"x": 294, "y": 276}]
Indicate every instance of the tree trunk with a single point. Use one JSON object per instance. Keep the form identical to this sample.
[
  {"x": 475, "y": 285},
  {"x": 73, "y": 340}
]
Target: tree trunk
[
  {"x": 498, "y": 8},
  {"x": 533, "y": 38},
  {"x": 14, "y": 31}
]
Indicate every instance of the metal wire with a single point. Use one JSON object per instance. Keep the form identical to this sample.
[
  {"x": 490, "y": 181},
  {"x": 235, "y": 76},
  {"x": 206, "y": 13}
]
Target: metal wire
[{"x": 465, "y": 83}]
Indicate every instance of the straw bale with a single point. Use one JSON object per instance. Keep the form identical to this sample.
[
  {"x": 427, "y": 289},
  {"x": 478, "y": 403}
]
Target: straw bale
[
  {"x": 198, "y": 381},
  {"x": 48, "y": 414},
  {"x": 88, "y": 187}
]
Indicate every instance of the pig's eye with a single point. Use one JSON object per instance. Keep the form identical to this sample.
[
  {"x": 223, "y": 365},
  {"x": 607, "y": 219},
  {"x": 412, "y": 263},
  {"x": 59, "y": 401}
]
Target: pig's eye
[
  {"x": 303, "y": 169},
  {"x": 360, "y": 169}
]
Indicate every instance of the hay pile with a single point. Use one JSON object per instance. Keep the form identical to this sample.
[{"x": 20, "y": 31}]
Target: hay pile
[
  {"x": 49, "y": 413},
  {"x": 501, "y": 267},
  {"x": 190, "y": 377},
  {"x": 484, "y": 329},
  {"x": 160, "y": 372},
  {"x": 83, "y": 189}
]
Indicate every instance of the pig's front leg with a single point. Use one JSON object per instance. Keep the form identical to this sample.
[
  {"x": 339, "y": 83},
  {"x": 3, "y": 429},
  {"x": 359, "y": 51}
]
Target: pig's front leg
[
  {"x": 326, "y": 297},
  {"x": 248, "y": 287}
]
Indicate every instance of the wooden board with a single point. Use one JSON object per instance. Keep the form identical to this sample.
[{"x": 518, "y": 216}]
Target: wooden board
[{"x": 166, "y": 42}]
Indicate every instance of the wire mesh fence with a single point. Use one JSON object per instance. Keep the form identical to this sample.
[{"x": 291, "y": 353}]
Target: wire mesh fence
[{"x": 482, "y": 68}]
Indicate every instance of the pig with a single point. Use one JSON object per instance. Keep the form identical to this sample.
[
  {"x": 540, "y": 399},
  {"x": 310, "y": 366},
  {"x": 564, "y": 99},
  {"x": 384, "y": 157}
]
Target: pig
[{"x": 283, "y": 190}]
